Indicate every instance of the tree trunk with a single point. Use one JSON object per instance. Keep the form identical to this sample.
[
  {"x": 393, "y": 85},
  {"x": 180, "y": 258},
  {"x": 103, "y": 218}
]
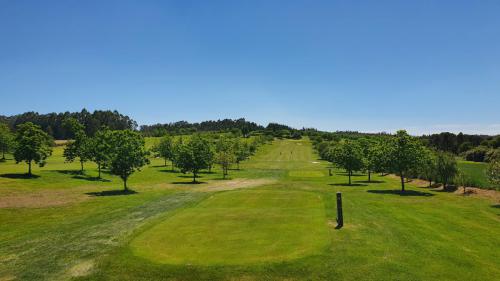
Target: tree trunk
[
  {"x": 3, "y": 154},
  {"x": 99, "y": 169},
  {"x": 29, "y": 168},
  {"x": 402, "y": 182},
  {"x": 369, "y": 176},
  {"x": 223, "y": 172},
  {"x": 350, "y": 172},
  {"x": 81, "y": 166},
  {"x": 194, "y": 177},
  {"x": 125, "y": 188},
  {"x": 430, "y": 183},
  {"x": 165, "y": 162},
  {"x": 238, "y": 163}
]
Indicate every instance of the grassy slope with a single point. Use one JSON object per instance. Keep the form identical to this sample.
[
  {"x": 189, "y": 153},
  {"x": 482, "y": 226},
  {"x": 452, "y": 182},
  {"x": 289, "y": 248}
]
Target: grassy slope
[
  {"x": 477, "y": 172},
  {"x": 422, "y": 236}
]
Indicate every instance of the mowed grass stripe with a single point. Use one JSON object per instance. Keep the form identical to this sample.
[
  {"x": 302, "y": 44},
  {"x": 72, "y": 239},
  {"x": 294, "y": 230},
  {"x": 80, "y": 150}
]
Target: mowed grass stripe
[{"x": 251, "y": 226}]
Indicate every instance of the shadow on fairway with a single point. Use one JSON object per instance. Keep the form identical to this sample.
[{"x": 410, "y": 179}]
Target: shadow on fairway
[
  {"x": 77, "y": 174},
  {"x": 88, "y": 178},
  {"x": 401, "y": 193},
  {"x": 112, "y": 193},
  {"x": 496, "y": 206},
  {"x": 371, "y": 181},
  {"x": 170, "y": 171},
  {"x": 346, "y": 184},
  {"x": 19, "y": 176},
  {"x": 188, "y": 182}
]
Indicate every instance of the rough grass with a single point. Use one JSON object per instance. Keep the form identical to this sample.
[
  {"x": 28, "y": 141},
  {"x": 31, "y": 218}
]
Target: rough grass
[{"x": 419, "y": 235}]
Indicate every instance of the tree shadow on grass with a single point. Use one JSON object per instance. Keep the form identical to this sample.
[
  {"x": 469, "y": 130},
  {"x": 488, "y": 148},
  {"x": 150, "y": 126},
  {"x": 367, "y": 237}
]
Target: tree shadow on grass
[
  {"x": 188, "y": 182},
  {"x": 89, "y": 178},
  {"x": 19, "y": 176},
  {"x": 372, "y": 181},
  {"x": 496, "y": 206},
  {"x": 402, "y": 193},
  {"x": 346, "y": 184},
  {"x": 170, "y": 171},
  {"x": 112, "y": 192},
  {"x": 77, "y": 174}
]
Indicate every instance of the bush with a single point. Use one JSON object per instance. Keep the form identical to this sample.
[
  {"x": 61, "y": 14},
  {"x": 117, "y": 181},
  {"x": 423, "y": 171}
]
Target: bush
[{"x": 477, "y": 154}]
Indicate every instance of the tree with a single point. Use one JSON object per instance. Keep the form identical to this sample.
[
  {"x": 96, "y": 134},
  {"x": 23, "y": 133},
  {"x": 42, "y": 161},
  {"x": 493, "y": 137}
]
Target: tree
[
  {"x": 493, "y": 171},
  {"x": 428, "y": 167},
  {"x": 368, "y": 148},
  {"x": 32, "y": 145},
  {"x": 241, "y": 151},
  {"x": 405, "y": 155},
  {"x": 99, "y": 148},
  {"x": 224, "y": 154},
  {"x": 446, "y": 167},
  {"x": 193, "y": 156},
  {"x": 128, "y": 154},
  {"x": 6, "y": 139},
  {"x": 78, "y": 148},
  {"x": 164, "y": 149},
  {"x": 347, "y": 154},
  {"x": 381, "y": 157},
  {"x": 462, "y": 179}
]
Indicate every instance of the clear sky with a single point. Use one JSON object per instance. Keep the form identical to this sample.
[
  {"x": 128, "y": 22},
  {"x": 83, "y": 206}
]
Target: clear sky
[{"x": 425, "y": 66}]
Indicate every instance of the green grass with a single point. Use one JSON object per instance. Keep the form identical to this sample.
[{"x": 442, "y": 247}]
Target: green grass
[
  {"x": 282, "y": 230},
  {"x": 239, "y": 227},
  {"x": 477, "y": 173}
]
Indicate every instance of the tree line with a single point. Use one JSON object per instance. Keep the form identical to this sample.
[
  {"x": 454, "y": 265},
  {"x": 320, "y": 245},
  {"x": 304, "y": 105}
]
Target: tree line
[
  {"x": 54, "y": 123},
  {"x": 123, "y": 152},
  {"x": 400, "y": 154}
]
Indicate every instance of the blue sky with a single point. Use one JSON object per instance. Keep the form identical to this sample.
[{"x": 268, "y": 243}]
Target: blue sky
[{"x": 426, "y": 66}]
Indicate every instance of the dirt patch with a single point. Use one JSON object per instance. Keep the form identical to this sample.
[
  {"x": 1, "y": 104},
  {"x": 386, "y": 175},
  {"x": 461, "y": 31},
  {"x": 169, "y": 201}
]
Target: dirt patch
[
  {"x": 483, "y": 193},
  {"x": 40, "y": 199},
  {"x": 233, "y": 184}
]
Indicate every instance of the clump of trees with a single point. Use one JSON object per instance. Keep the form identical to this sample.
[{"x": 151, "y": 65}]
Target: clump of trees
[
  {"x": 32, "y": 145},
  {"x": 6, "y": 140},
  {"x": 400, "y": 154}
]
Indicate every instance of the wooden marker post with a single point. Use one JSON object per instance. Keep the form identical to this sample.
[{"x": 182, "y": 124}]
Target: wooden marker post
[{"x": 340, "y": 217}]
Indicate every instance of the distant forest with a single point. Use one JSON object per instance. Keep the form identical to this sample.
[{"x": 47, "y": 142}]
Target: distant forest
[{"x": 472, "y": 147}]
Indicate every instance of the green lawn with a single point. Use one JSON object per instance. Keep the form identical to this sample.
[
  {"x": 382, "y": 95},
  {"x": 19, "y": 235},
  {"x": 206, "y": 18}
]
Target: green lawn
[
  {"x": 64, "y": 226},
  {"x": 477, "y": 172}
]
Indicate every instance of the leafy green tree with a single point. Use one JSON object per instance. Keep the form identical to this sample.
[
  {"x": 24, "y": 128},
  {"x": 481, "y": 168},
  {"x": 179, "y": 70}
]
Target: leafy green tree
[
  {"x": 368, "y": 149},
  {"x": 446, "y": 167},
  {"x": 462, "y": 179},
  {"x": 493, "y": 171},
  {"x": 381, "y": 157},
  {"x": 6, "y": 140},
  {"x": 99, "y": 148},
  {"x": 405, "y": 155},
  {"x": 193, "y": 156},
  {"x": 78, "y": 148},
  {"x": 347, "y": 154},
  {"x": 164, "y": 149},
  {"x": 224, "y": 154},
  {"x": 427, "y": 169},
  {"x": 241, "y": 151},
  {"x": 128, "y": 154},
  {"x": 32, "y": 145}
]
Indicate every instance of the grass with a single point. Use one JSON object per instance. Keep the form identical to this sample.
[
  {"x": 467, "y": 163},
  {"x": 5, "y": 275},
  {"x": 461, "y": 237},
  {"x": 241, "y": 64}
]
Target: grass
[
  {"x": 84, "y": 229},
  {"x": 477, "y": 173},
  {"x": 239, "y": 227}
]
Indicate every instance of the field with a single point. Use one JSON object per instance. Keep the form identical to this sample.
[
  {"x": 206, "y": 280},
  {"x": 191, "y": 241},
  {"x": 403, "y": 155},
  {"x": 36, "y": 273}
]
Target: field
[
  {"x": 272, "y": 220},
  {"x": 477, "y": 172}
]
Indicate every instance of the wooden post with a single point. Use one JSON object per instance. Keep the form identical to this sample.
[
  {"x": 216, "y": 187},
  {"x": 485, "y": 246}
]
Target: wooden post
[{"x": 340, "y": 216}]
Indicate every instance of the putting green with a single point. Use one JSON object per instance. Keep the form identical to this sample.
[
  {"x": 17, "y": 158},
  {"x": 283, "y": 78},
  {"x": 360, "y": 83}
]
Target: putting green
[{"x": 239, "y": 227}]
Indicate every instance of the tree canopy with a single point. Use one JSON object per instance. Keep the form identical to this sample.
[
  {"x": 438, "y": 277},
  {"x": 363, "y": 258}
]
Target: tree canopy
[{"x": 32, "y": 145}]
